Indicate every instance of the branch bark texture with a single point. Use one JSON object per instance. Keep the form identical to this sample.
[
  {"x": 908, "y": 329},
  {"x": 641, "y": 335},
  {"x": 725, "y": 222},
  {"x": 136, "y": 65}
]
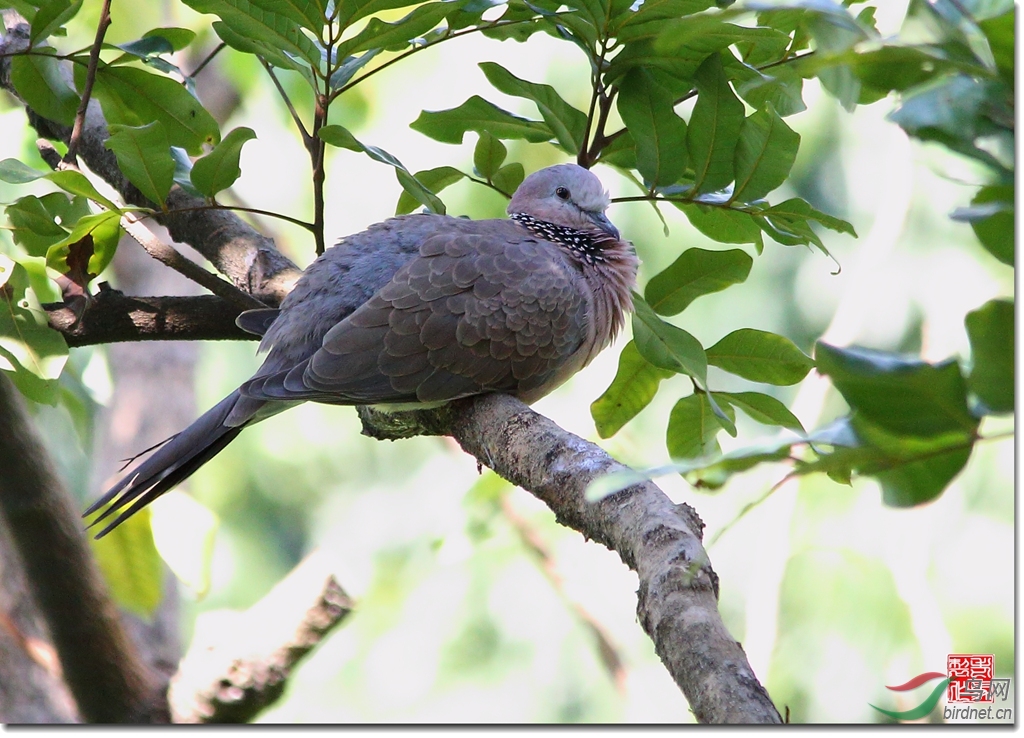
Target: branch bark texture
[
  {"x": 106, "y": 677},
  {"x": 661, "y": 541}
]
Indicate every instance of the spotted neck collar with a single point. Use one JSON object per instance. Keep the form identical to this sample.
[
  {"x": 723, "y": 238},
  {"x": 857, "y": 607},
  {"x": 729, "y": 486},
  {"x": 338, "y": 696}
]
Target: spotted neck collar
[{"x": 581, "y": 243}]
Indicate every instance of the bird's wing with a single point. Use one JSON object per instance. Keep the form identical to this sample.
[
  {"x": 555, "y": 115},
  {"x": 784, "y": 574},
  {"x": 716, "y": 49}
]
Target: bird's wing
[{"x": 474, "y": 312}]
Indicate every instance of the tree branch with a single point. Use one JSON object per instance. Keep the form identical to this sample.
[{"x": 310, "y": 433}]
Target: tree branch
[
  {"x": 224, "y": 679},
  {"x": 100, "y": 665},
  {"x": 677, "y": 600},
  {"x": 113, "y": 317}
]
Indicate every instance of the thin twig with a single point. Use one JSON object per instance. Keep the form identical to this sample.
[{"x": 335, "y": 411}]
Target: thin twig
[
  {"x": 167, "y": 254},
  {"x": 208, "y": 59},
  {"x": 90, "y": 79},
  {"x": 287, "y": 100},
  {"x": 235, "y": 208}
]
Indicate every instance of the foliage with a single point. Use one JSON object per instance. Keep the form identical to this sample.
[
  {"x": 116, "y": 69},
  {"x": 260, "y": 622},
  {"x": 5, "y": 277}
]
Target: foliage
[{"x": 912, "y": 425}]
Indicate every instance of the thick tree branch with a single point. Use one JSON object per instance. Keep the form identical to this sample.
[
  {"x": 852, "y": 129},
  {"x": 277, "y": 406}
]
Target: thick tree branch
[
  {"x": 100, "y": 665},
  {"x": 113, "y": 317},
  {"x": 677, "y": 600}
]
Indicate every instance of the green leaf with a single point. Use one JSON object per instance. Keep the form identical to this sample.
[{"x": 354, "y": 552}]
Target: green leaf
[
  {"x": 659, "y": 134},
  {"x": 434, "y": 180},
  {"x": 665, "y": 345},
  {"x": 341, "y": 76},
  {"x": 178, "y": 38},
  {"x": 135, "y": 97},
  {"x": 714, "y": 473},
  {"x": 219, "y": 169},
  {"x": 40, "y": 222},
  {"x": 304, "y": 12},
  {"x": 249, "y": 20},
  {"x": 903, "y": 396},
  {"x": 51, "y": 15},
  {"x": 33, "y": 353},
  {"x": 991, "y": 215},
  {"x": 488, "y": 155},
  {"x": 78, "y": 184},
  {"x": 763, "y": 408},
  {"x": 273, "y": 54},
  {"x": 350, "y": 11},
  {"x": 781, "y": 86},
  {"x": 692, "y": 428},
  {"x": 723, "y": 224},
  {"x": 911, "y": 470},
  {"x": 17, "y": 172},
  {"x": 991, "y": 330},
  {"x": 476, "y": 114},
  {"x": 760, "y": 356},
  {"x": 104, "y": 230},
  {"x": 38, "y": 80},
  {"x": 635, "y": 384},
  {"x": 509, "y": 177},
  {"x": 765, "y": 153},
  {"x": 714, "y": 127},
  {"x": 566, "y": 122},
  {"x": 130, "y": 564},
  {"x": 696, "y": 272},
  {"x": 144, "y": 157},
  {"x": 796, "y": 209},
  {"x": 380, "y": 34}
]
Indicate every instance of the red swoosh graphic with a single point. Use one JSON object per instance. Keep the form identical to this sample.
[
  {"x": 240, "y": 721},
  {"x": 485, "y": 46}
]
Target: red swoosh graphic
[{"x": 918, "y": 681}]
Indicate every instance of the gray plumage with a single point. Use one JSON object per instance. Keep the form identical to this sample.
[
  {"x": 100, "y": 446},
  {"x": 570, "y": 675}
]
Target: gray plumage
[{"x": 421, "y": 310}]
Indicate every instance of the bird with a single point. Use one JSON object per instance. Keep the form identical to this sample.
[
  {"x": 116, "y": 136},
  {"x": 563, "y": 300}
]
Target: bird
[{"x": 420, "y": 310}]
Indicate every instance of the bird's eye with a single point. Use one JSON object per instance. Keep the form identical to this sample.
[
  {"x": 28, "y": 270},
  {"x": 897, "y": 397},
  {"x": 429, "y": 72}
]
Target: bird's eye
[{"x": 562, "y": 193}]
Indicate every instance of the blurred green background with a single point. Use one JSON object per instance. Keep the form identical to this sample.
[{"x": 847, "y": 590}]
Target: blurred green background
[{"x": 473, "y": 604}]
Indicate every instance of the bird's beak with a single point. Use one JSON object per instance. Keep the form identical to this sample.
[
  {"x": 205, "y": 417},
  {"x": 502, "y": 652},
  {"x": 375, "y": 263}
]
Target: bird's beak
[{"x": 602, "y": 222}]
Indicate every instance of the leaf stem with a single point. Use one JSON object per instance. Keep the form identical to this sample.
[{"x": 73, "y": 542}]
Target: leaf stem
[
  {"x": 208, "y": 59},
  {"x": 90, "y": 79},
  {"x": 287, "y": 100}
]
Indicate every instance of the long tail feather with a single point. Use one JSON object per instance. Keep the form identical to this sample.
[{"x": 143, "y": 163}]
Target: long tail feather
[{"x": 173, "y": 462}]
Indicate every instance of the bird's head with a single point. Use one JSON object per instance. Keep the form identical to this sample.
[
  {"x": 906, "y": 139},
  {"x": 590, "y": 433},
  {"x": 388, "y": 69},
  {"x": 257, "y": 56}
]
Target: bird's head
[{"x": 566, "y": 195}]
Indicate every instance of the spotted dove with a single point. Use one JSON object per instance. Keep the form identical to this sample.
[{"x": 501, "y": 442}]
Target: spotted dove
[{"x": 420, "y": 310}]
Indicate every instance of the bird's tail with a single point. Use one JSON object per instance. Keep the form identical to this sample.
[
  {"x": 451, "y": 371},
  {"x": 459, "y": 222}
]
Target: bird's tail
[{"x": 175, "y": 460}]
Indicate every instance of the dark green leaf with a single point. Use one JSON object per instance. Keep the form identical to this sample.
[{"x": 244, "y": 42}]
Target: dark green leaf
[
  {"x": 341, "y": 76},
  {"x": 667, "y": 346},
  {"x": 52, "y": 14},
  {"x": 509, "y": 177},
  {"x": 764, "y": 154},
  {"x": 903, "y": 396},
  {"x": 650, "y": 18},
  {"x": 219, "y": 169},
  {"x": 659, "y": 134},
  {"x": 17, "y": 172},
  {"x": 781, "y": 86},
  {"x": 911, "y": 470},
  {"x": 38, "y": 80},
  {"x": 33, "y": 353},
  {"x": 692, "y": 427},
  {"x": 476, "y": 114},
  {"x": 991, "y": 215},
  {"x": 131, "y": 565},
  {"x": 144, "y": 157},
  {"x": 633, "y": 388},
  {"x": 379, "y": 34},
  {"x": 250, "y": 21},
  {"x": 696, "y": 272},
  {"x": 621, "y": 152},
  {"x": 795, "y": 209},
  {"x": 714, "y": 128},
  {"x": 760, "y": 356},
  {"x": 178, "y": 38},
  {"x": 350, "y": 11},
  {"x": 307, "y": 13},
  {"x": 135, "y": 97},
  {"x": 488, "y": 155},
  {"x": 991, "y": 330},
  {"x": 263, "y": 49},
  {"x": 566, "y": 122},
  {"x": 723, "y": 224},
  {"x": 763, "y": 408},
  {"x": 434, "y": 180},
  {"x": 714, "y": 473}
]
